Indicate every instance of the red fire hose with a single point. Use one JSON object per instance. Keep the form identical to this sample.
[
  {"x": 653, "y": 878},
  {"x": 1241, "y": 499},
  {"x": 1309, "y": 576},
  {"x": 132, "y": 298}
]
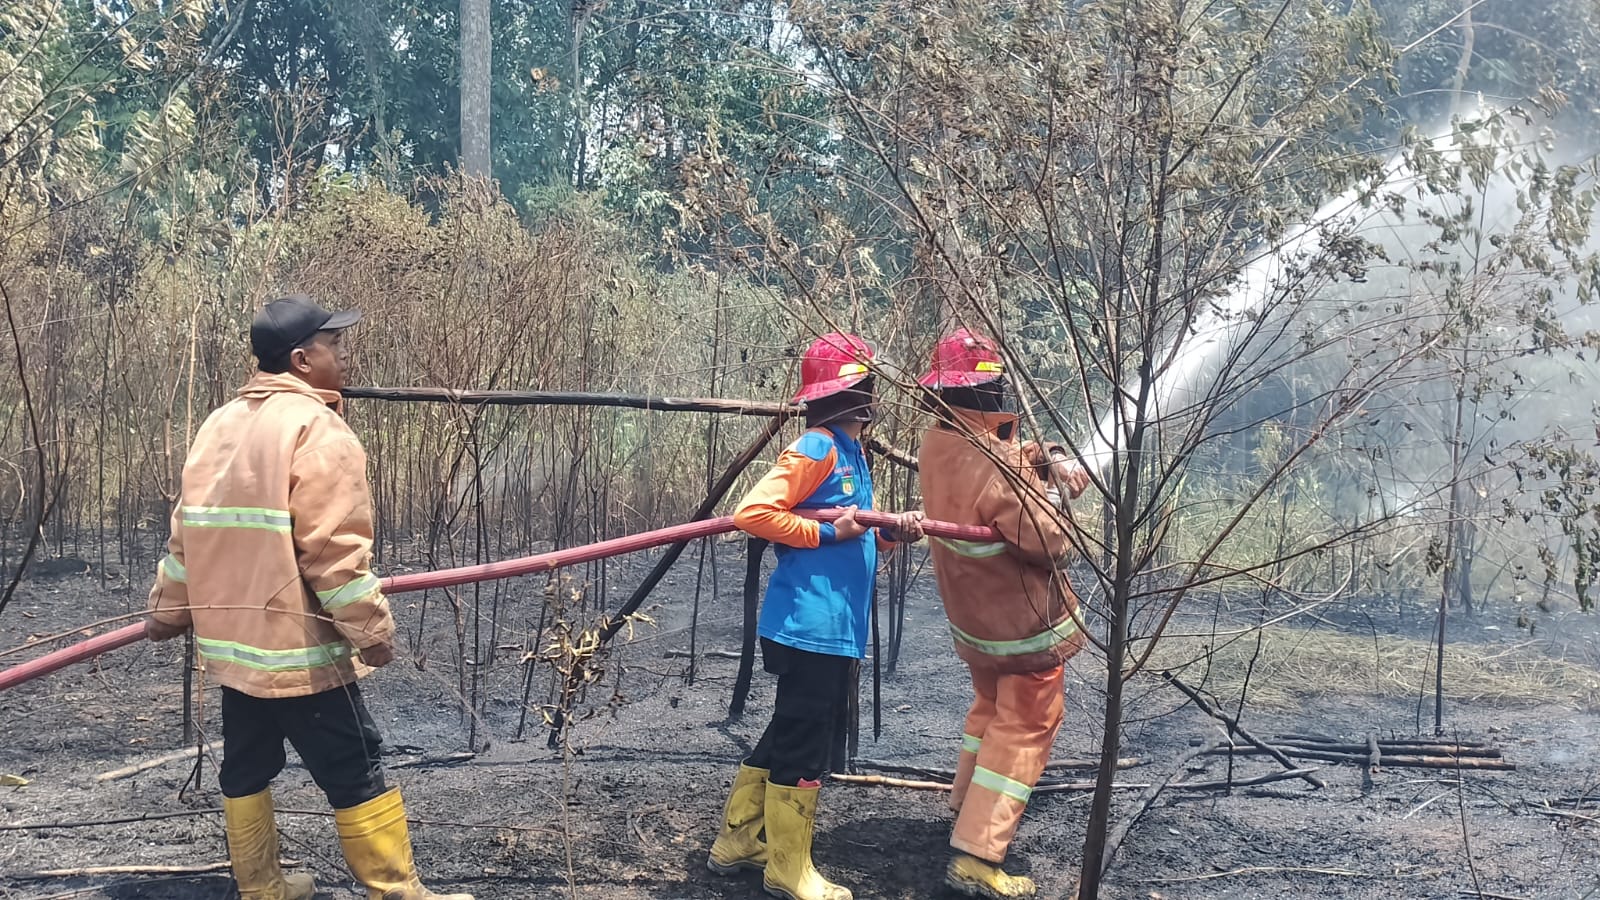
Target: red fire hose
[{"x": 527, "y": 565}]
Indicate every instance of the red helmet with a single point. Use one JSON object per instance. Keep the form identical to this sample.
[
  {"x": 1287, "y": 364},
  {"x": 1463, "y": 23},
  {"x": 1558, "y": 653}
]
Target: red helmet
[
  {"x": 963, "y": 359},
  {"x": 831, "y": 364}
]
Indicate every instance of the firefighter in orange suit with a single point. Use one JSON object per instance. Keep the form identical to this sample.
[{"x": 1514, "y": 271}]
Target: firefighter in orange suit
[
  {"x": 1011, "y": 611},
  {"x": 270, "y": 566},
  {"x": 813, "y": 624}
]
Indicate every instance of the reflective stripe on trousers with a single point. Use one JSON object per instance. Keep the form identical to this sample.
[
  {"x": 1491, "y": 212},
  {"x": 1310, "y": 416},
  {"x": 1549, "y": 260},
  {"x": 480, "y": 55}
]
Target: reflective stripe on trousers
[
  {"x": 1014, "y": 720},
  {"x": 1000, "y": 784}
]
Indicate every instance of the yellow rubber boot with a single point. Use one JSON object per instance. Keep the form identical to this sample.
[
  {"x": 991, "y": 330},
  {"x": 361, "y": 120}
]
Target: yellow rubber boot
[
  {"x": 378, "y": 848},
  {"x": 740, "y": 846},
  {"x": 976, "y": 878},
  {"x": 791, "y": 814},
  {"x": 253, "y": 850}
]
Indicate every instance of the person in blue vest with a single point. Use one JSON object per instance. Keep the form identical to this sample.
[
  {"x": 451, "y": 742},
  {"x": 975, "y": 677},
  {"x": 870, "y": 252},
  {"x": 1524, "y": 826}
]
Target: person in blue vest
[{"x": 814, "y": 620}]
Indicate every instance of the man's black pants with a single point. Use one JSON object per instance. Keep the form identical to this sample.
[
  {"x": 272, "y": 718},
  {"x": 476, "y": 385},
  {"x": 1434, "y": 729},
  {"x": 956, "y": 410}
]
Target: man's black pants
[
  {"x": 331, "y": 731},
  {"x": 813, "y": 696}
]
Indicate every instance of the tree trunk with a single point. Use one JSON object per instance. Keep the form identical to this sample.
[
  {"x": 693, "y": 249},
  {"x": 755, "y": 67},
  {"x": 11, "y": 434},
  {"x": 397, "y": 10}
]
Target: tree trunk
[
  {"x": 1455, "y": 514},
  {"x": 1466, "y": 551},
  {"x": 1460, "y": 545},
  {"x": 582, "y": 11},
  {"x": 476, "y": 55},
  {"x": 1125, "y": 476}
]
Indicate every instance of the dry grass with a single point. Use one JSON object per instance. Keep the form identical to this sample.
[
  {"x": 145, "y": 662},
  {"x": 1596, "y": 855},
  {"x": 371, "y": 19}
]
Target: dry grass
[{"x": 1297, "y": 664}]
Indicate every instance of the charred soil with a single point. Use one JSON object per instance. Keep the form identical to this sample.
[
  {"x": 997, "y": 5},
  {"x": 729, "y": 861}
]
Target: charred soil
[{"x": 629, "y": 809}]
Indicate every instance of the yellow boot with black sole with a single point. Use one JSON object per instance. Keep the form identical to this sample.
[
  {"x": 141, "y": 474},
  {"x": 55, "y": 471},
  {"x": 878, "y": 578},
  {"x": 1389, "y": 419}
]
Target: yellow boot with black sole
[
  {"x": 977, "y": 878},
  {"x": 377, "y": 846},
  {"x": 253, "y": 850},
  {"x": 791, "y": 815},
  {"x": 739, "y": 846}
]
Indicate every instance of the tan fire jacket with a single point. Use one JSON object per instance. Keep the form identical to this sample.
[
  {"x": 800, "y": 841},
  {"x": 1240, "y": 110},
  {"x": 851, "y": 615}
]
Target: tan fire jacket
[
  {"x": 271, "y": 544},
  {"x": 1010, "y": 609}
]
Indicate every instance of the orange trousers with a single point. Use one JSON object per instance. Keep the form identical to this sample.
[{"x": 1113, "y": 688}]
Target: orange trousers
[{"x": 1006, "y": 742}]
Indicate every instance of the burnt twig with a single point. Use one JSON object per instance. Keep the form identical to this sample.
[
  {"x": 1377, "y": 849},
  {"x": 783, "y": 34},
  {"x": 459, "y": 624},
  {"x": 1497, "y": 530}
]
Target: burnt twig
[
  {"x": 948, "y": 774},
  {"x": 91, "y": 871},
  {"x": 154, "y": 762},
  {"x": 1044, "y": 788},
  {"x": 429, "y": 762},
  {"x": 1393, "y": 760},
  {"x": 1237, "y": 729},
  {"x": 1252, "y": 781}
]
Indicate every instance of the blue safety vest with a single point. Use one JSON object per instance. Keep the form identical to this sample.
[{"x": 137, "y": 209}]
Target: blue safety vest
[{"x": 820, "y": 599}]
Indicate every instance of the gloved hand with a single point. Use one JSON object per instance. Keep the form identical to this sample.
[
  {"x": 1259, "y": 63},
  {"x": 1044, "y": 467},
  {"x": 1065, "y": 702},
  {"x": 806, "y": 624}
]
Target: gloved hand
[
  {"x": 157, "y": 630},
  {"x": 1072, "y": 475},
  {"x": 1055, "y": 465},
  {"x": 1036, "y": 457},
  {"x": 378, "y": 655}
]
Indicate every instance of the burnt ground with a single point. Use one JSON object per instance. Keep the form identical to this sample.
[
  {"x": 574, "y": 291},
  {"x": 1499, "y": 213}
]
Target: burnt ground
[{"x": 647, "y": 777}]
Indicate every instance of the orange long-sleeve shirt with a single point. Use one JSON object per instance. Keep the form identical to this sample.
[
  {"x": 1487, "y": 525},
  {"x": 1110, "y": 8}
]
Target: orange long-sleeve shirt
[{"x": 767, "y": 511}]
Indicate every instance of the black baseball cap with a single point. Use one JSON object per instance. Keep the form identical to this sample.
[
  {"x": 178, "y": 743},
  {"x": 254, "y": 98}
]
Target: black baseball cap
[{"x": 288, "y": 322}]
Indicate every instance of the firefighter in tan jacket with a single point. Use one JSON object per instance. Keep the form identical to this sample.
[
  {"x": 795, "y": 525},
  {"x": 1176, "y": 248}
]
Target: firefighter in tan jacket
[
  {"x": 269, "y": 563},
  {"x": 1011, "y": 611}
]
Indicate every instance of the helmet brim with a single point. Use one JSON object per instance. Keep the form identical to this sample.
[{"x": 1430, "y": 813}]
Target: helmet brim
[
  {"x": 825, "y": 388},
  {"x": 939, "y": 380}
]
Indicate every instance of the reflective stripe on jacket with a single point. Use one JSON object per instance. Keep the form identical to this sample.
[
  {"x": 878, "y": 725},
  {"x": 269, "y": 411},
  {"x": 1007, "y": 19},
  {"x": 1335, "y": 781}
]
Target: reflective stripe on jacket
[
  {"x": 270, "y": 554},
  {"x": 1009, "y": 605}
]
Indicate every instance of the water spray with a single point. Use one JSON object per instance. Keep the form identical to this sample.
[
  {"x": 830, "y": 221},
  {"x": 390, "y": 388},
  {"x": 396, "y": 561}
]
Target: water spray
[{"x": 1226, "y": 326}]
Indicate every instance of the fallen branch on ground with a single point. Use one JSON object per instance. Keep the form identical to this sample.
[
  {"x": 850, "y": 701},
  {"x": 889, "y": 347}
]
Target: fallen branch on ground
[
  {"x": 1382, "y": 742},
  {"x": 1126, "y": 762},
  {"x": 1084, "y": 786},
  {"x": 1576, "y": 801},
  {"x": 217, "y": 811},
  {"x": 1236, "y": 728},
  {"x": 635, "y": 817},
  {"x": 1115, "y": 838},
  {"x": 91, "y": 871},
  {"x": 146, "y": 765},
  {"x": 887, "y": 781},
  {"x": 1277, "y": 870},
  {"x": 1042, "y": 788},
  {"x": 449, "y": 759},
  {"x": 1409, "y": 749},
  {"x": 1395, "y": 761},
  {"x": 950, "y": 774},
  {"x": 1252, "y": 781},
  {"x": 703, "y": 654},
  {"x": 1564, "y": 814}
]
